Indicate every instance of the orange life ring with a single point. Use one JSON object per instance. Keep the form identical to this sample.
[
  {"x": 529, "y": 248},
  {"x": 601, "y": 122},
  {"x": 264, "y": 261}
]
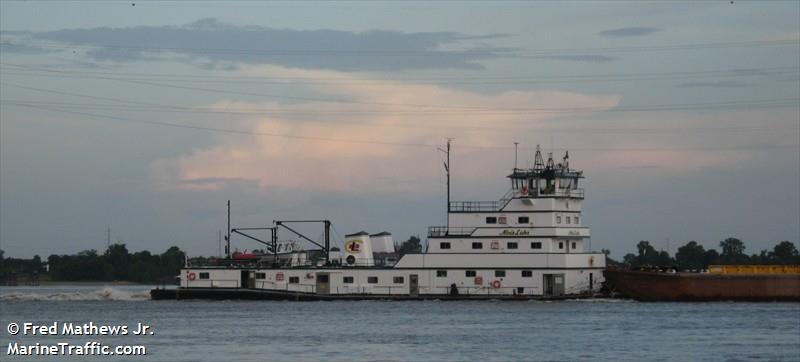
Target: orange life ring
[
  {"x": 496, "y": 284},
  {"x": 191, "y": 276}
]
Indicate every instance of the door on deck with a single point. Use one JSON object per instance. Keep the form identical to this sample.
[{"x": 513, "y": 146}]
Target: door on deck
[
  {"x": 323, "y": 283},
  {"x": 553, "y": 285},
  {"x": 248, "y": 279},
  {"x": 413, "y": 285}
]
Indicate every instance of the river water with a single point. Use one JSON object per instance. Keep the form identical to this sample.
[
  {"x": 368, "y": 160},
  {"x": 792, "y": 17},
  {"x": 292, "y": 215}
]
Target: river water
[{"x": 406, "y": 331}]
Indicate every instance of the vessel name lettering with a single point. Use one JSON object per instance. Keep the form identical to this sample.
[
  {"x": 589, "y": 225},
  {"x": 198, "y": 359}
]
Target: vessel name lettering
[{"x": 515, "y": 232}]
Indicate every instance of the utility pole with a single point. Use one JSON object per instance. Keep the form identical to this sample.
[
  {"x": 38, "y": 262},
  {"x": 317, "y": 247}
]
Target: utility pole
[
  {"x": 516, "y": 146},
  {"x": 219, "y": 243}
]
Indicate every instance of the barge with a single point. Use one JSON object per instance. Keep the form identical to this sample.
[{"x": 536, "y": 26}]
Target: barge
[
  {"x": 755, "y": 283},
  {"x": 530, "y": 244}
]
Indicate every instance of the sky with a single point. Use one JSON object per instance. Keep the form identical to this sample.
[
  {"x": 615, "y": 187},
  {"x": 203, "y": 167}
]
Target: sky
[{"x": 145, "y": 117}]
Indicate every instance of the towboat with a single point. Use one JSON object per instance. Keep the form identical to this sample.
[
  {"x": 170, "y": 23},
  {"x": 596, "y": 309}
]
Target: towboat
[{"x": 531, "y": 243}]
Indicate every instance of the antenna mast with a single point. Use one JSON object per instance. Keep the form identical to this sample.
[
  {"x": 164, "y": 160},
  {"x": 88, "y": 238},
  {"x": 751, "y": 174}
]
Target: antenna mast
[
  {"x": 516, "y": 147},
  {"x": 538, "y": 161},
  {"x": 447, "y": 171},
  {"x": 228, "y": 237}
]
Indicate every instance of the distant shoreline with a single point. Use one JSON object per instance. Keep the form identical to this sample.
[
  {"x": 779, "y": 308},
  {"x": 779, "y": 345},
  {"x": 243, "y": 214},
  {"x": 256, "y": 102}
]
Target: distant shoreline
[{"x": 87, "y": 283}]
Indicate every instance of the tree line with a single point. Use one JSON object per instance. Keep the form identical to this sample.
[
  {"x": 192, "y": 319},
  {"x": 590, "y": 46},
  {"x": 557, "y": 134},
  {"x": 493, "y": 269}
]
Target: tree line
[
  {"x": 693, "y": 255},
  {"x": 115, "y": 264}
]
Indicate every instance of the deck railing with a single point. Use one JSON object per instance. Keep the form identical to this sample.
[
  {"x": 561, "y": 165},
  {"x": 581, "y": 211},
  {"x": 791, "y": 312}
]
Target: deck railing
[{"x": 439, "y": 231}]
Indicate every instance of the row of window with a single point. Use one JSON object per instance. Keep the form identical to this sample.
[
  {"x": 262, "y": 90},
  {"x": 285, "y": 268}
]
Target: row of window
[
  {"x": 479, "y": 245},
  {"x": 395, "y": 280},
  {"x": 503, "y": 220},
  {"x": 569, "y": 219},
  {"x": 474, "y": 273},
  {"x": 527, "y": 220},
  {"x": 373, "y": 280}
]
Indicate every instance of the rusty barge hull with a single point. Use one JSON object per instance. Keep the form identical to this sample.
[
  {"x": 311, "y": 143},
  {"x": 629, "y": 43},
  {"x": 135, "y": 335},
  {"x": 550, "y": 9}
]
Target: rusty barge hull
[{"x": 653, "y": 286}]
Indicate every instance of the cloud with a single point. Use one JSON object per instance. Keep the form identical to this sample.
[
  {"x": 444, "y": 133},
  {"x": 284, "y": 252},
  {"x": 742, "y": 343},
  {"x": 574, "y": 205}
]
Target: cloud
[
  {"x": 591, "y": 58},
  {"x": 375, "y": 120},
  {"x": 209, "y": 40},
  {"x": 20, "y": 45},
  {"x": 715, "y": 84},
  {"x": 629, "y": 31}
]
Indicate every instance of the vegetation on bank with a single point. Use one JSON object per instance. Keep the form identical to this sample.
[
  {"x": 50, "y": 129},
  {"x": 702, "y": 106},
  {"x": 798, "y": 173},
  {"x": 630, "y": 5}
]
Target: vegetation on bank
[
  {"x": 116, "y": 264},
  {"x": 695, "y": 256}
]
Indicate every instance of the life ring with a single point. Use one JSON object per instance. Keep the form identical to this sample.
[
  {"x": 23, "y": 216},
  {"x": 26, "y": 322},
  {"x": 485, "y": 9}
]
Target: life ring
[
  {"x": 496, "y": 284},
  {"x": 191, "y": 276},
  {"x": 524, "y": 190}
]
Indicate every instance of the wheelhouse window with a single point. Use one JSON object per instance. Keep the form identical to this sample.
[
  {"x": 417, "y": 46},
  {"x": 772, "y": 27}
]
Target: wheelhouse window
[
  {"x": 441, "y": 273},
  {"x": 294, "y": 280},
  {"x": 491, "y": 220},
  {"x": 347, "y": 280},
  {"x": 574, "y": 245},
  {"x": 444, "y": 245},
  {"x": 536, "y": 245},
  {"x": 499, "y": 273},
  {"x": 569, "y": 220},
  {"x": 577, "y": 220},
  {"x": 512, "y": 245},
  {"x": 561, "y": 245},
  {"x": 477, "y": 245},
  {"x": 527, "y": 273},
  {"x": 372, "y": 280},
  {"x": 398, "y": 280},
  {"x": 261, "y": 275},
  {"x": 470, "y": 273},
  {"x": 203, "y": 276},
  {"x": 558, "y": 219},
  {"x": 523, "y": 220}
]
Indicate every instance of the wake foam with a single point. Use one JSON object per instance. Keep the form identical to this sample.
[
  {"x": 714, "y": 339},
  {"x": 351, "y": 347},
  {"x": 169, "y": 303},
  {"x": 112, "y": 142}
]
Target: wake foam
[{"x": 105, "y": 294}]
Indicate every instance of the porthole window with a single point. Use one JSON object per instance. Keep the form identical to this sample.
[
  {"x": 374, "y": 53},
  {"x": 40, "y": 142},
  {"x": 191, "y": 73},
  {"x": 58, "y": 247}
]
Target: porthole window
[
  {"x": 561, "y": 245},
  {"x": 347, "y": 280},
  {"x": 523, "y": 220},
  {"x": 398, "y": 280},
  {"x": 491, "y": 220},
  {"x": 513, "y": 245},
  {"x": 470, "y": 273},
  {"x": 444, "y": 245},
  {"x": 527, "y": 273},
  {"x": 203, "y": 275},
  {"x": 536, "y": 245},
  {"x": 372, "y": 280},
  {"x": 441, "y": 273}
]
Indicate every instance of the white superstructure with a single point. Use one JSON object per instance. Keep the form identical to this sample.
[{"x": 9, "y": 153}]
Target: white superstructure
[{"x": 530, "y": 243}]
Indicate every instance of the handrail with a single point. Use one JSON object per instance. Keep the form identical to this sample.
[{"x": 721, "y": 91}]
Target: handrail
[{"x": 436, "y": 231}]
